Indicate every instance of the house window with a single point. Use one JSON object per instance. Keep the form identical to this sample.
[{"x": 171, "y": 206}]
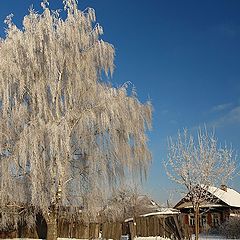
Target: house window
[
  {"x": 215, "y": 219},
  {"x": 203, "y": 220},
  {"x": 191, "y": 220}
]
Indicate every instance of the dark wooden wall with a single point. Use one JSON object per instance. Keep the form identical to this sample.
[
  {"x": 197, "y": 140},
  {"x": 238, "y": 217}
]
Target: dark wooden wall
[{"x": 157, "y": 225}]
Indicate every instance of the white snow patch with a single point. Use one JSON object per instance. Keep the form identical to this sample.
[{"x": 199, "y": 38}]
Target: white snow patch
[
  {"x": 151, "y": 238},
  {"x": 230, "y": 197},
  {"x": 163, "y": 211},
  {"x": 215, "y": 237},
  {"x": 212, "y": 237}
]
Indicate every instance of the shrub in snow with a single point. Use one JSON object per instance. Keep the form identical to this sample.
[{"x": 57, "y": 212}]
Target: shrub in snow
[{"x": 231, "y": 228}]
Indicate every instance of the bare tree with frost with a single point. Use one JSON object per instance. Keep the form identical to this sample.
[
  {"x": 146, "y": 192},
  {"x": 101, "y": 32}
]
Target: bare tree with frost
[
  {"x": 197, "y": 164},
  {"x": 125, "y": 202},
  {"x": 66, "y": 136}
]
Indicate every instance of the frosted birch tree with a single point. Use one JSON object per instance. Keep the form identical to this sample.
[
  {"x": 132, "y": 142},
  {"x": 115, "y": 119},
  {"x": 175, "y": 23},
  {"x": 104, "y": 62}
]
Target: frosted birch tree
[
  {"x": 197, "y": 164},
  {"x": 66, "y": 136}
]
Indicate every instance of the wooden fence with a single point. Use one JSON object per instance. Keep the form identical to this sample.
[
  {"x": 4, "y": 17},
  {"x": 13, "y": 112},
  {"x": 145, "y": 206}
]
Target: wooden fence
[{"x": 156, "y": 225}]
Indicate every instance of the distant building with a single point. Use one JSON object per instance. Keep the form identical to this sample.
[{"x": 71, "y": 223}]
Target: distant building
[{"x": 223, "y": 202}]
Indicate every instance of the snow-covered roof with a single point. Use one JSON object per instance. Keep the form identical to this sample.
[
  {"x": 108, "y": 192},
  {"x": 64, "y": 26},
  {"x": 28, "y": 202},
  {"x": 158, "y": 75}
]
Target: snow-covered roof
[
  {"x": 162, "y": 211},
  {"x": 230, "y": 196},
  {"x": 227, "y": 196}
]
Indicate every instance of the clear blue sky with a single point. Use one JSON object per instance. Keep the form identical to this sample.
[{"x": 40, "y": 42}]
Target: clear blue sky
[{"x": 183, "y": 55}]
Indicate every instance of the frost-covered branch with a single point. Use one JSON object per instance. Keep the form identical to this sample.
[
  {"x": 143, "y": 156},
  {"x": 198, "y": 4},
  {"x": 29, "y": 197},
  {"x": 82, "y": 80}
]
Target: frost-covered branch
[
  {"x": 53, "y": 103},
  {"x": 198, "y": 164}
]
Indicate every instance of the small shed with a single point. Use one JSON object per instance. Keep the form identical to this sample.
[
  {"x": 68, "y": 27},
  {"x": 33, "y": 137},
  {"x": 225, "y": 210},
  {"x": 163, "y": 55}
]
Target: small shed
[{"x": 163, "y": 223}]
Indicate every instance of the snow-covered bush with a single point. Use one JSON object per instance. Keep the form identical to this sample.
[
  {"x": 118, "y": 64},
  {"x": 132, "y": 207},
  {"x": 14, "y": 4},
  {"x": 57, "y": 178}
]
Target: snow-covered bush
[{"x": 231, "y": 228}]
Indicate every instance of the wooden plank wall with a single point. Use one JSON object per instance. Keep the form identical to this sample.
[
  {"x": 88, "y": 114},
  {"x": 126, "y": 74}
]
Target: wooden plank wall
[
  {"x": 78, "y": 230},
  {"x": 155, "y": 226},
  {"x": 164, "y": 226},
  {"x": 112, "y": 230}
]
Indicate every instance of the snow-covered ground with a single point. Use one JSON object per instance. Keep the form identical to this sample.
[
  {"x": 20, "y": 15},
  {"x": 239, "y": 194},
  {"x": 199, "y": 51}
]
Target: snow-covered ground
[
  {"x": 151, "y": 238},
  {"x": 202, "y": 237},
  {"x": 210, "y": 237}
]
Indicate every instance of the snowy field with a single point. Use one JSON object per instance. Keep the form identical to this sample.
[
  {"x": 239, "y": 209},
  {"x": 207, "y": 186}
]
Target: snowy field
[
  {"x": 151, "y": 238},
  {"x": 210, "y": 237}
]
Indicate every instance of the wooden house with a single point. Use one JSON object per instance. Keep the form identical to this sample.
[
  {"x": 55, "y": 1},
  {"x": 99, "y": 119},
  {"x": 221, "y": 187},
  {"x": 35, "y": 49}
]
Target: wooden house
[{"x": 213, "y": 212}]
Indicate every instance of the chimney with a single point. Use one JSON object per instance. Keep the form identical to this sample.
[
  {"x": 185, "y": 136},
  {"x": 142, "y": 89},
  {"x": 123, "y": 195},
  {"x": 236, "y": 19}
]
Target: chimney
[{"x": 223, "y": 187}]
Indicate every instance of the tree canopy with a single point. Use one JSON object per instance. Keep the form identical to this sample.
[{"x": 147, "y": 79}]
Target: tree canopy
[{"x": 65, "y": 134}]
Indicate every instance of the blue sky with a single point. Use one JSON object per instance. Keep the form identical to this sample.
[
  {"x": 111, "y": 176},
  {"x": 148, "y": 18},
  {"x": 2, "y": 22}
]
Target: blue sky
[{"x": 183, "y": 55}]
